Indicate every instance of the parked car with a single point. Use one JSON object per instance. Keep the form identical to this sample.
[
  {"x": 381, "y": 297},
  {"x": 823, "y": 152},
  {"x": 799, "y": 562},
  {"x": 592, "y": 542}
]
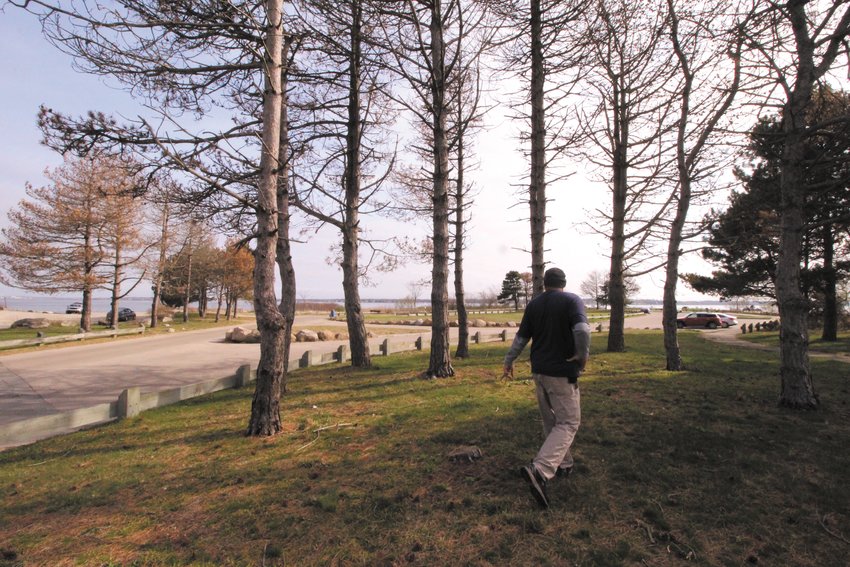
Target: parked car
[
  {"x": 700, "y": 319},
  {"x": 124, "y": 314},
  {"x": 728, "y": 320},
  {"x": 75, "y": 307}
]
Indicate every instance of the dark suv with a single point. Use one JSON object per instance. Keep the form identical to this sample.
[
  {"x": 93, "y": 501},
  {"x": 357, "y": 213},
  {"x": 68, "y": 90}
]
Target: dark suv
[
  {"x": 124, "y": 314},
  {"x": 707, "y": 320}
]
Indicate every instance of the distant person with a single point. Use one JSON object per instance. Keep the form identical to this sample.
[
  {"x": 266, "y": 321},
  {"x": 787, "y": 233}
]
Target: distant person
[
  {"x": 556, "y": 324},
  {"x": 333, "y": 313}
]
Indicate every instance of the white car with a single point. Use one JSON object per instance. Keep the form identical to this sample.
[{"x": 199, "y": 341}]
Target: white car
[
  {"x": 74, "y": 308},
  {"x": 728, "y": 320}
]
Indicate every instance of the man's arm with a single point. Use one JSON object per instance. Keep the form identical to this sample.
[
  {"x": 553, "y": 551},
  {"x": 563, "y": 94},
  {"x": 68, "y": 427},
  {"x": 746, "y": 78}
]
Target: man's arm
[
  {"x": 581, "y": 339},
  {"x": 516, "y": 348}
]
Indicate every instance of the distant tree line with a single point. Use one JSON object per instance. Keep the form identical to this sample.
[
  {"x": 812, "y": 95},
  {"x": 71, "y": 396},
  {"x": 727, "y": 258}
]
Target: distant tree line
[{"x": 93, "y": 227}]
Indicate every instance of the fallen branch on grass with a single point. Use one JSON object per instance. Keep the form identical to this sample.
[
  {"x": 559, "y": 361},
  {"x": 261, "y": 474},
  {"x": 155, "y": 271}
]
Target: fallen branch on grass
[
  {"x": 822, "y": 522},
  {"x": 325, "y": 428}
]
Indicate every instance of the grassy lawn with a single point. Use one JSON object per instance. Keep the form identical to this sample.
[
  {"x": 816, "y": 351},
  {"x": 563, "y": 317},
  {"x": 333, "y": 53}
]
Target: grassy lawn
[
  {"x": 699, "y": 466},
  {"x": 841, "y": 346}
]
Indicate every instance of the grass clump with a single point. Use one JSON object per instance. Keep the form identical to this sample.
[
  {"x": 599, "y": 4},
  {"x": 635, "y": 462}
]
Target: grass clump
[{"x": 698, "y": 466}]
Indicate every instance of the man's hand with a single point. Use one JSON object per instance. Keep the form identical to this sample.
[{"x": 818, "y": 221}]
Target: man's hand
[
  {"x": 582, "y": 361},
  {"x": 509, "y": 371}
]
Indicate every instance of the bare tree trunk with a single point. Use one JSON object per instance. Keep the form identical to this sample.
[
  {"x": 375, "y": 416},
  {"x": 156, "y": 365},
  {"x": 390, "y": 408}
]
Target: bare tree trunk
[
  {"x": 218, "y": 304},
  {"x": 795, "y": 372},
  {"x": 202, "y": 301},
  {"x": 462, "y": 350},
  {"x": 85, "y": 316},
  {"x": 616, "y": 277},
  {"x": 116, "y": 283},
  {"x": 440, "y": 365},
  {"x": 537, "y": 182},
  {"x": 265, "y": 406},
  {"x": 797, "y": 389},
  {"x": 283, "y": 247},
  {"x": 830, "y": 296},
  {"x": 160, "y": 266},
  {"x": 188, "y": 295},
  {"x": 357, "y": 338}
]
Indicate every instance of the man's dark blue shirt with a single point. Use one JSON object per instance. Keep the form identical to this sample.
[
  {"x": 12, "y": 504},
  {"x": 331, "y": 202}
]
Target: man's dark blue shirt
[{"x": 548, "y": 321}]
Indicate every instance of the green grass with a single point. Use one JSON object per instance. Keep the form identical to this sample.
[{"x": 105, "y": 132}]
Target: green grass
[
  {"x": 816, "y": 344},
  {"x": 51, "y": 331},
  {"x": 698, "y": 466}
]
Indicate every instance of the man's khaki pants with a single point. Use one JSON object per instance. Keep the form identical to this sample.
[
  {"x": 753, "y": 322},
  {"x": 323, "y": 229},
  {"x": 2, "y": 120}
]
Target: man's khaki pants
[{"x": 560, "y": 408}]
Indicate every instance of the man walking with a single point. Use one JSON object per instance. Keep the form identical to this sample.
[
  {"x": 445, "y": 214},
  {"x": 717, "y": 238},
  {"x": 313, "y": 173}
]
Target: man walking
[{"x": 556, "y": 324}]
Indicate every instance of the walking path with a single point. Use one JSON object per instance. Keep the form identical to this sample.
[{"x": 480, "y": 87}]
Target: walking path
[{"x": 734, "y": 337}]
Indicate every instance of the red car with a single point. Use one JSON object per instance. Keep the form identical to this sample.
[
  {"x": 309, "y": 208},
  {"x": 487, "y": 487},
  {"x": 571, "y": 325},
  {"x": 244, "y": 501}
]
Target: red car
[{"x": 707, "y": 320}]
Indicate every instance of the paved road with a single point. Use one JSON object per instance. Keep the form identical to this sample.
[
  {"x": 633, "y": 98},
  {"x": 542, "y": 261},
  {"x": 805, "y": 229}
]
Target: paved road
[{"x": 43, "y": 382}]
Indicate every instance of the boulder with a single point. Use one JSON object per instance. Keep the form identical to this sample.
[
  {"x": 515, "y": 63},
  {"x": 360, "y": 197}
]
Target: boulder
[
  {"x": 31, "y": 323},
  {"x": 511, "y": 324},
  {"x": 326, "y": 335},
  {"x": 341, "y": 336},
  {"x": 243, "y": 335},
  {"x": 453, "y": 324},
  {"x": 167, "y": 319},
  {"x": 307, "y": 336},
  {"x": 478, "y": 323},
  {"x": 419, "y": 322},
  {"x": 428, "y": 322}
]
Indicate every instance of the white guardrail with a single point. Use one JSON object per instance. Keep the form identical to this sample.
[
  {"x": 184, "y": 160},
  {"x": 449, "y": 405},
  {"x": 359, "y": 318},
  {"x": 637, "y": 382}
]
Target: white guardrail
[{"x": 71, "y": 338}]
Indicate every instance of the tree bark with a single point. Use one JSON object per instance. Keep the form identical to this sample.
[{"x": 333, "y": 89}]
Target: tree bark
[
  {"x": 797, "y": 389},
  {"x": 88, "y": 267},
  {"x": 440, "y": 365},
  {"x": 830, "y": 299},
  {"x": 357, "y": 337},
  {"x": 265, "y": 407},
  {"x": 537, "y": 181},
  {"x": 616, "y": 277},
  {"x": 283, "y": 247},
  {"x": 116, "y": 283},
  {"x": 462, "y": 350},
  {"x": 188, "y": 295}
]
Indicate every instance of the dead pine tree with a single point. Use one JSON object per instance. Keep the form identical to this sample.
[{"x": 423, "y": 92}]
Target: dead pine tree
[
  {"x": 707, "y": 45},
  {"x": 626, "y": 118},
  {"x": 345, "y": 116},
  {"x": 430, "y": 55},
  {"x": 537, "y": 41}
]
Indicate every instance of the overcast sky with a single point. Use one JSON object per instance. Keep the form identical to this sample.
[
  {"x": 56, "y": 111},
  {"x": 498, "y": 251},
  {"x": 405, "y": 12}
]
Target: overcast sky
[{"x": 34, "y": 72}]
